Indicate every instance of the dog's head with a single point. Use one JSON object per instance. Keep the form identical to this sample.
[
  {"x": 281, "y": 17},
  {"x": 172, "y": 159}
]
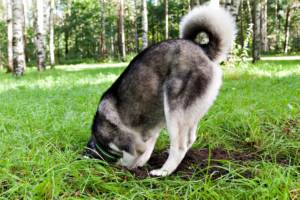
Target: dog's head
[{"x": 111, "y": 143}]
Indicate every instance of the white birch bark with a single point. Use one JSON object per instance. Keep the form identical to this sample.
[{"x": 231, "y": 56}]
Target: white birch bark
[
  {"x": 256, "y": 31},
  {"x": 18, "y": 37},
  {"x": 121, "y": 30},
  {"x": 39, "y": 37},
  {"x": 144, "y": 24},
  {"x": 263, "y": 25},
  {"x": 51, "y": 33},
  {"x": 166, "y": 19},
  {"x": 10, "y": 66}
]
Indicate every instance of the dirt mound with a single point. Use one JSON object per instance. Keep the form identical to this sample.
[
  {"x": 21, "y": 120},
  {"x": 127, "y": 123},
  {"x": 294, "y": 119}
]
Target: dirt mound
[{"x": 197, "y": 161}]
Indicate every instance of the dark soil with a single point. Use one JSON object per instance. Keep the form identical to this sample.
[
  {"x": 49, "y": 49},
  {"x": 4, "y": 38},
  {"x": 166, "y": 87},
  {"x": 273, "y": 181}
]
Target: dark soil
[{"x": 198, "y": 162}]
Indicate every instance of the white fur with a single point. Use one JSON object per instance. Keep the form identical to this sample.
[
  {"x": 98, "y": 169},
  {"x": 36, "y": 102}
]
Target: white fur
[
  {"x": 149, "y": 146},
  {"x": 216, "y": 19},
  {"x": 182, "y": 124}
]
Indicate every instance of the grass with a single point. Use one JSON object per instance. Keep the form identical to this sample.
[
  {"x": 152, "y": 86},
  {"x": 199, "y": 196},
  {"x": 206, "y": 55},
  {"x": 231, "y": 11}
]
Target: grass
[{"x": 45, "y": 121}]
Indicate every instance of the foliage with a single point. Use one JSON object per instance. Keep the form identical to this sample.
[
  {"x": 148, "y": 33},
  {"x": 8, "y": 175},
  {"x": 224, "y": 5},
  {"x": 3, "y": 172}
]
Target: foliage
[
  {"x": 3, "y": 44},
  {"x": 78, "y": 28}
]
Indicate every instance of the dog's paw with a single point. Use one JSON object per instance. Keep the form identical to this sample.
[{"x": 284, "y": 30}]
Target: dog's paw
[{"x": 159, "y": 172}]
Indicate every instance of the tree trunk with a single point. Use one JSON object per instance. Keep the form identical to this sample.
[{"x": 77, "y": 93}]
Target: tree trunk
[
  {"x": 18, "y": 37},
  {"x": 112, "y": 36},
  {"x": 51, "y": 35},
  {"x": 66, "y": 38},
  {"x": 1, "y": 65},
  {"x": 66, "y": 32},
  {"x": 166, "y": 19},
  {"x": 231, "y": 5},
  {"x": 287, "y": 29},
  {"x": 10, "y": 66},
  {"x": 39, "y": 40},
  {"x": 25, "y": 25},
  {"x": 102, "y": 41},
  {"x": 121, "y": 31},
  {"x": 263, "y": 24},
  {"x": 136, "y": 27},
  {"x": 277, "y": 25},
  {"x": 242, "y": 38},
  {"x": 256, "y": 6},
  {"x": 145, "y": 24}
]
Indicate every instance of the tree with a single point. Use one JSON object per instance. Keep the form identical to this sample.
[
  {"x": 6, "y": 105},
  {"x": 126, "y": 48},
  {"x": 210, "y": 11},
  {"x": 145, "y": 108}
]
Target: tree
[
  {"x": 66, "y": 28},
  {"x": 144, "y": 24},
  {"x": 51, "y": 34},
  {"x": 39, "y": 37},
  {"x": 102, "y": 42},
  {"x": 287, "y": 28},
  {"x": 256, "y": 48},
  {"x": 290, "y": 7},
  {"x": 121, "y": 31},
  {"x": 10, "y": 66},
  {"x": 25, "y": 27},
  {"x": 136, "y": 26},
  {"x": 277, "y": 23},
  {"x": 263, "y": 25},
  {"x": 18, "y": 37},
  {"x": 166, "y": 19},
  {"x": 231, "y": 5}
]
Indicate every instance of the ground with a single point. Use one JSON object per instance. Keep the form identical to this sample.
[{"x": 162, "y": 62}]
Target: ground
[{"x": 248, "y": 145}]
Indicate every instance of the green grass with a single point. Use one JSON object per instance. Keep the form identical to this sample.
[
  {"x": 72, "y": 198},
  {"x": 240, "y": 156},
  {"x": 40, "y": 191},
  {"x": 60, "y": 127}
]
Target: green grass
[{"x": 45, "y": 121}]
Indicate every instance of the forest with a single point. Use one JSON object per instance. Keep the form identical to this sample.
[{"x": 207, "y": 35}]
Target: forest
[
  {"x": 53, "y": 32},
  {"x": 59, "y": 57}
]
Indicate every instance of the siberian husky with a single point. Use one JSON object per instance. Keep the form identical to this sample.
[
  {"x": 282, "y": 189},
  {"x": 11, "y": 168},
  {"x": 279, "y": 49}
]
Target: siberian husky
[{"x": 169, "y": 85}]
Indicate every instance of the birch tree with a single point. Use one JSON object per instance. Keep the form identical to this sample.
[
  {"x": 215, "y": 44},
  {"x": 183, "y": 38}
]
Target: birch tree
[
  {"x": 39, "y": 37},
  {"x": 121, "y": 30},
  {"x": 256, "y": 6},
  {"x": 10, "y": 66},
  {"x": 293, "y": 5},
  {"x": 102, "y": 42},
  {"x": 18, "y": 37},
  {"x": 287, "y": 28},
  {"x": 263, "y": 25},
  {"x": 136, "y": 26},
  {"x": 51, "y": 34},
  {"x": 144, "y": 24},
  {"x": 166, "y": 19},
  {"x": 231, "y": 5}
]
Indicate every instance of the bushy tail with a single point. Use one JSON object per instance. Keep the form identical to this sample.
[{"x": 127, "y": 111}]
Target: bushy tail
[{"x": 217, "y": 23}]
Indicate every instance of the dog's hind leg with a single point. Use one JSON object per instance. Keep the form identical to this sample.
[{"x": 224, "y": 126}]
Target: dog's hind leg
[{"x": 182, "y": 135}]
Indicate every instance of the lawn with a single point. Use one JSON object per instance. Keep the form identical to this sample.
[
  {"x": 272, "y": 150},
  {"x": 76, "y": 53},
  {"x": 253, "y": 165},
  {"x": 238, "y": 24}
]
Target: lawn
[{"x": 45, "y": 121}]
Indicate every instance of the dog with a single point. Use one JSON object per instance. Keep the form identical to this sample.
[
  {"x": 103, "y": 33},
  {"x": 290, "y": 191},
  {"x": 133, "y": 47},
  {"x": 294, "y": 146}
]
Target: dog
[{"x": 169, "y": 85}]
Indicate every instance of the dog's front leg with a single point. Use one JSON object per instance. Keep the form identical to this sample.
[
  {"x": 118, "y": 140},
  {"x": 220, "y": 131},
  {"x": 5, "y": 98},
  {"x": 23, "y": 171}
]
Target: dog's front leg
[{"x": 150, "y": 144}]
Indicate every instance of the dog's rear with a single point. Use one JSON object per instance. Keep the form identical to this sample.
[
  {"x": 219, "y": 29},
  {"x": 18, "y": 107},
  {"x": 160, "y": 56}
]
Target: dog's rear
[
  {"x": 182, "y": 117},
  {"x": 170, "y": 84}
]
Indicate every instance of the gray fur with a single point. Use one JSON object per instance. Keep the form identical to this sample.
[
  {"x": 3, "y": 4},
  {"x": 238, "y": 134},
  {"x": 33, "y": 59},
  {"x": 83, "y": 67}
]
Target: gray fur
[{"x": 163, "y": 86}]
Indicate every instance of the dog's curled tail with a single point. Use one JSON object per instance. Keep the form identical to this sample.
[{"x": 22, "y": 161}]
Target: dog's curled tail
[{"x": 217, "y": 23}]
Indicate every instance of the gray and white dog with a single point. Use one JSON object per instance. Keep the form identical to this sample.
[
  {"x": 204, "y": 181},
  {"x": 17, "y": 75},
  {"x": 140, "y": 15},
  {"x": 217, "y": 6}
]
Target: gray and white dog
[{"x": 171, "y": 84}]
